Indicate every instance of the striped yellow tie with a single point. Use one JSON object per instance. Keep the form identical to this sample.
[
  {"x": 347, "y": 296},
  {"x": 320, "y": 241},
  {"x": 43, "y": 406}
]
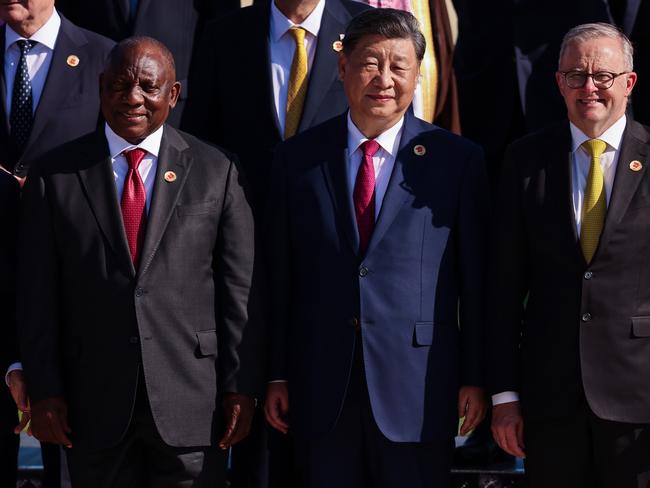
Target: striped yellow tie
[
  {"x": 594, "y": 205},
  {"x": 297, "y": 83}
]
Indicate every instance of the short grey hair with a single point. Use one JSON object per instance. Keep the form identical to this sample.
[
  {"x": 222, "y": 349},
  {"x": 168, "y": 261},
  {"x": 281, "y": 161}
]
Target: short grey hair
[
  {"x": 386, "y": 22},
  {"x": 587, "y": 32}
]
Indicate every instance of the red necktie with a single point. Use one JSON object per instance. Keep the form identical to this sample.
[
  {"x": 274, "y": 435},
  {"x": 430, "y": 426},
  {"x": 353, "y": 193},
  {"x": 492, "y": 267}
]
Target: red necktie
[
  {"x": 364, "y": 195},
  {"x": 134, "y": 204}
]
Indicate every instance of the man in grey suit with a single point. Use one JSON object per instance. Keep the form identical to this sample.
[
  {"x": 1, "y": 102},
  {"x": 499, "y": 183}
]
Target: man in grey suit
[{"x": 142, "y": 355}]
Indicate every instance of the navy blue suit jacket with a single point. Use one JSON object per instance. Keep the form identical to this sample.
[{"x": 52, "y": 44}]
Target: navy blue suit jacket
[
  {"x": 231, "y": 93},
  {"x": 425, "y": 257},
  {"x": 69, "y": 104}
]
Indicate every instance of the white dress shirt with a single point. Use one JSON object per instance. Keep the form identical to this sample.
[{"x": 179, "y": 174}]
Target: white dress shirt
[
  {"x": 383, "y": 160},
  {"x": 579, "y": 172},
  {"x": 38, "y": 59},
  {"x": 147, "y": 168},
  {"x": 282, "y": 48}
]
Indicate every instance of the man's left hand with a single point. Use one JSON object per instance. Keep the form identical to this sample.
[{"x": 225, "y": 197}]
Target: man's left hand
[
  {"x": 472, "y": 405},
  {"x": 239, "y": 410}
]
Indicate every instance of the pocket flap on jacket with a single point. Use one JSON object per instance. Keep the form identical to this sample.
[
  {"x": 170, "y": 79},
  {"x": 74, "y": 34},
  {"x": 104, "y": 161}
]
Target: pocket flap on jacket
[
  {"x": 641, "y": 326},
  {"x": 207, "y": 342},
  {"x": 423, "y": 334}
]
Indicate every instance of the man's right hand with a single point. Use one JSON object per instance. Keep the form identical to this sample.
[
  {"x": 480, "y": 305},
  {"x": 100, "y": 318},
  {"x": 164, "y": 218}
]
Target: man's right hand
[
  {"x": 18, "y": 389},
  {"x": 276, "y": 406},
  {"x": 50, "y": 421},
  {"x": 508, "y": 428}
]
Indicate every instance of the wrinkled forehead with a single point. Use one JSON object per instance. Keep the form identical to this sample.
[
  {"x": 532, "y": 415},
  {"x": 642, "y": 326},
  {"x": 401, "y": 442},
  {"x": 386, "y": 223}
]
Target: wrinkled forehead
[{"x": 600, "y": 53}]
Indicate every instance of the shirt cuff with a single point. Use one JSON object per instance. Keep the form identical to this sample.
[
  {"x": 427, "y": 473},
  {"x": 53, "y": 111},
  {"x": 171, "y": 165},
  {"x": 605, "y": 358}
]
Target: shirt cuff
[
  {"x": 13, "y": 367},
  {"x": 505, "y": 397}
]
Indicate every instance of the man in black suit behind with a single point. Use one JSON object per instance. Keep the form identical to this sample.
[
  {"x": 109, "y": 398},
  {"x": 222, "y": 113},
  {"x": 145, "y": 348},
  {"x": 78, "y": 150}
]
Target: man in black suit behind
[
  {"x": 570, "y": 370},
  {"x": 142, "y": 357},
  {"x": 175, "y": 23}
]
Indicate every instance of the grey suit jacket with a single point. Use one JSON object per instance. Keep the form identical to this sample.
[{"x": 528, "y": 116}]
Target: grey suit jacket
[{"x": 186, "y": 320}]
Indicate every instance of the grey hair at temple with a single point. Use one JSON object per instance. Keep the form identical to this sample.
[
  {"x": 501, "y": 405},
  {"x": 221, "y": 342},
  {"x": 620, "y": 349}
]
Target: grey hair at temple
[
  {"x": 587, "y": 32},
  {"x": 386, "y": 22}
]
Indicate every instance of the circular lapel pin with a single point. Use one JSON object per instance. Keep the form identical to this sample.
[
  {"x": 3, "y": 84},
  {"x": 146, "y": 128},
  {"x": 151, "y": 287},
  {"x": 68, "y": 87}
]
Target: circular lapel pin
[
  {"x": 636, "y": 165},
  {"x": 73, "y": 61},
  {"x": 337, "y": 46},
  {"x": 170, "y": 176},
  {"x": 419, "y": 150}
]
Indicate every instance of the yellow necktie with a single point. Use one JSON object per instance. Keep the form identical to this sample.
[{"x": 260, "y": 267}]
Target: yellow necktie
[
  {"x": 594, "y": 205},
  {"x": 297, "y": 83}
]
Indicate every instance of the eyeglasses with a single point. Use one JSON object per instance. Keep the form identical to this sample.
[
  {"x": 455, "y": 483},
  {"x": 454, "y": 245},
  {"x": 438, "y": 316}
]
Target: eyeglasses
[{"x": 602, "y": 79}]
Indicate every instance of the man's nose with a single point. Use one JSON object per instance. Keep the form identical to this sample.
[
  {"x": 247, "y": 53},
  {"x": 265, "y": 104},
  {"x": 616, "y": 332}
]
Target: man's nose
[
  {"x": 133, "y": 95},
  {"x": 384, "y": 78}
]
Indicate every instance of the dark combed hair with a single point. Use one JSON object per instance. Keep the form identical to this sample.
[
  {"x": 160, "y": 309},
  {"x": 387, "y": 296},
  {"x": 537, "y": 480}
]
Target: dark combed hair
[
  {"x": 131, "y": 42},
  {"x": 386, "y": 22}
]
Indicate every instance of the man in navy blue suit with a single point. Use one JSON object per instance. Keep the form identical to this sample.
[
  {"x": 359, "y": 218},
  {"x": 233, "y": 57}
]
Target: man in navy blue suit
[{"x": 377, "y": 230}]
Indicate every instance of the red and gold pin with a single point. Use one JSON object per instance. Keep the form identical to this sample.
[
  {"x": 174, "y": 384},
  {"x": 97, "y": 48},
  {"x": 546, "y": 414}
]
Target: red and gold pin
[
  {"x": 419, "y": 150},
  {"x": 337, "y": 46},
  {"x": 636, "y": 165},
  {"x": 170, "y": 176},
  {"x": 73, "y": 61}
]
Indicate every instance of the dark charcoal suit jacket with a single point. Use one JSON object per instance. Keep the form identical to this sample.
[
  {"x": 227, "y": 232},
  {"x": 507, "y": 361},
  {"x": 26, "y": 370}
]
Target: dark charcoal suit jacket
[
  {"x": 69, "y": 104},
  {"x": 231, "y": 93},
  {"x": 585, "y": 328},
  {"x": 186, "y": 319},
  {"x": 426, "y": 256}
]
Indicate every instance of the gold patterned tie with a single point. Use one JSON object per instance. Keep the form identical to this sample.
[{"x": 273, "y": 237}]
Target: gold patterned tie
[
  {"x": 297, "y": 83},
  {"x": 594, "y": 205}
]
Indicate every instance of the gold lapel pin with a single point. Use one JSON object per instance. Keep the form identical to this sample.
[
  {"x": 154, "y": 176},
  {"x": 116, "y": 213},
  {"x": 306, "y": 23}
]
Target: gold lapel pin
[
  {"x": 73, "y": 60},
  {"x": 337, "y": 46},
  {"x": 419, "y": 150},
  {"x": 636, "y": 165},
  {"x": 170, "y": 176}
]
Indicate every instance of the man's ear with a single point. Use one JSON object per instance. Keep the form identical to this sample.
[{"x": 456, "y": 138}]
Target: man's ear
[
  {"x": 174, "y": 93},
  {"x": 342, "y": 64}
]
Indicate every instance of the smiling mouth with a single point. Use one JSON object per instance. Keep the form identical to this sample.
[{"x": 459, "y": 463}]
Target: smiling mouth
[
  {"x": 590, "y": 101},
  {"x": 380, "y": 98},
  {"x": 132, "y": 117}
]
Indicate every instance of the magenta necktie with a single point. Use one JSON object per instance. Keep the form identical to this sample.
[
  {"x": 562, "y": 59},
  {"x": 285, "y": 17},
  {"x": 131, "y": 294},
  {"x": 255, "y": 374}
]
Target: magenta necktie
[
  {"x": 364, "y": 195},
  {"x": 134, "y": 204}
]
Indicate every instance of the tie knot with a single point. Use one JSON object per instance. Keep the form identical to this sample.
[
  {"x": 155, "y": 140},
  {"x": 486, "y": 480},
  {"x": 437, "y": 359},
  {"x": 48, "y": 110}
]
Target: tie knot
[
  {"x": 369, "y": 147},
  {"x": 298, "y": 34},
  {"x": 595, "y": 147},
  {"x": 24, "y": 45},
  {"x": 134, "y": 157}
]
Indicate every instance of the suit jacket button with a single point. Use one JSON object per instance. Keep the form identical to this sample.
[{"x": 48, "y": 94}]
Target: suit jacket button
[
  {"x": 19, "y": 168},
  {"x": 133, "y": 340},
  {"x": 586, "y": 317},
  {"x": 363, "y": 271},
  {"x": 139, "y": 292},
  {"x": 588, "y": 275}
]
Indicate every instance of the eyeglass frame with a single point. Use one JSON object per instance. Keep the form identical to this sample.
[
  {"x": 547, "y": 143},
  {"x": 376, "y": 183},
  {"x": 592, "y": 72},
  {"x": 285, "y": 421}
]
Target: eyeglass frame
[{"x": 591, "y": 75}]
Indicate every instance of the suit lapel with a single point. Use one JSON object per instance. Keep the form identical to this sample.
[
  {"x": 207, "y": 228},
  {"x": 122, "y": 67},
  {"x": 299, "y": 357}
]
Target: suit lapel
[
  {"x": 396, "y": 195},
  {"x": 634, "y": 146},
  {"x": 324, "y": 68},
  {"x": 96, "y": 174},
  {"x": 61, "y": 81},
  {"x": 334, "y": 170},
  {"x": 172, "y": 157},
  {"x": 558, "y": 190}
]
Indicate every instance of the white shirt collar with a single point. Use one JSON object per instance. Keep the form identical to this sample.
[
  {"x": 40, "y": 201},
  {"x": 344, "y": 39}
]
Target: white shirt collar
[
  {"x": 46, "y": 35},
  {"x": 388, "y": 140},
  {"x": 611, "y": 136},
  {"x": 117, "y": 145},
  {"x": 280, "y": 24}
]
